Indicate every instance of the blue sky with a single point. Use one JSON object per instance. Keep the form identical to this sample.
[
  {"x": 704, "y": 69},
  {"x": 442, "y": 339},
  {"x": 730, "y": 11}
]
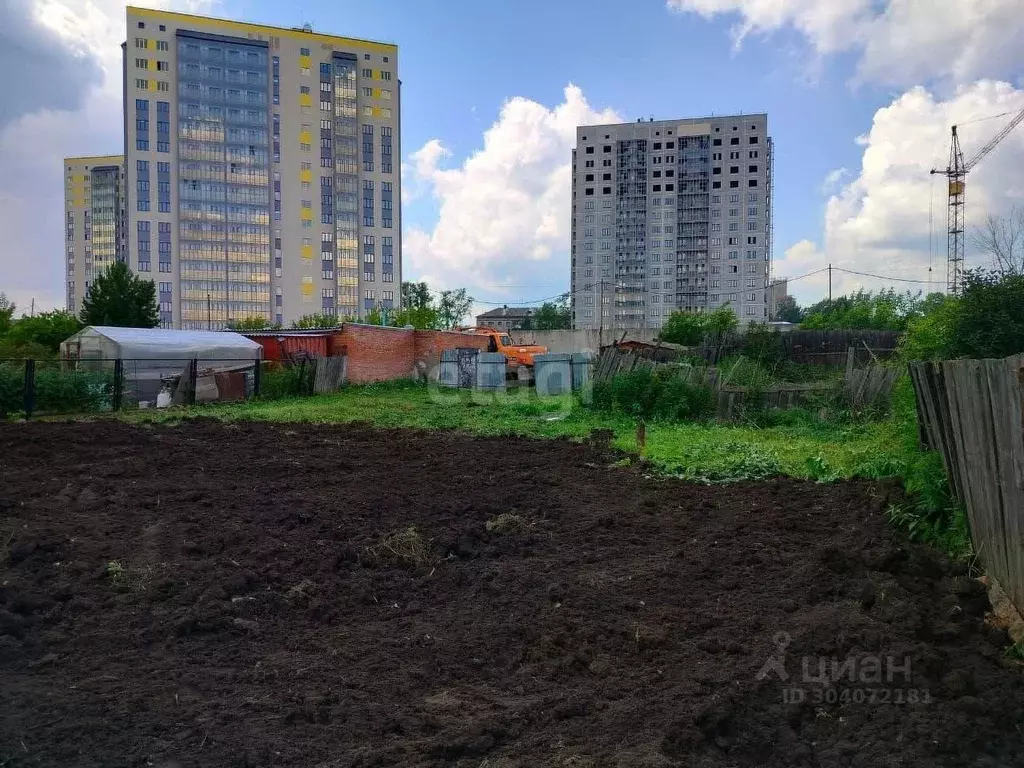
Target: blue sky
[
  {"x": 860, "y": 95},
  {"x": 458, "y": 67}
]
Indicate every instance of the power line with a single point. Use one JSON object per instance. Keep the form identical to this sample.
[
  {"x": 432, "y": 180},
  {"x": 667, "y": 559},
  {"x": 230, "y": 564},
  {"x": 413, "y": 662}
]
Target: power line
[{"x": 880, "y": 277}]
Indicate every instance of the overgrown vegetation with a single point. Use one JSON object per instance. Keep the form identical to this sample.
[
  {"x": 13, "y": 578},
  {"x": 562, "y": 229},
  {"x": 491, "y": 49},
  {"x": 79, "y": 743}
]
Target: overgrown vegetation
[
  {"x": 57, "y": 391},
  {"x": 885, "y": 310},
  {"x": 690, "y": 328},
  {"x": 278, "y": 381},
  {"x": 663, "y": 394},
  {"x": 985, "y": 321}
]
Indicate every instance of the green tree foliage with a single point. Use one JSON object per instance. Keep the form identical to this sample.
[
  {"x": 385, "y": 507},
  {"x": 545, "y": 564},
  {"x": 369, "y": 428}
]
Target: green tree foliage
[
  {"x": 763, "y": 343},
  {"x": 416, "y": 296},
  {"x": 252, "y": 324},
  {"x": 789, "y": 311},
  {"x": 318, "y": 320},
  {"x": 452, "y": 308},
  {"x": 989, "y": 321},
  {"x": 928, "y": 334},
  {"x": 421, "y": 318},
  {"x": 886, "y": 310},
  {"x": 985, "y": 321},
  {"x": 553, "y": 316},
  {"x": 119, "y": 298},
  {"x": 7, "y": 308},
  {"x": 661, "y": 394},
  {"x": 47, "y": 329},
  {"x": 689, "y": 328}
]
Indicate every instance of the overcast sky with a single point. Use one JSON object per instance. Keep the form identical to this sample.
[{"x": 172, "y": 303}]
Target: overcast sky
[{"x": 860, "y": 96}]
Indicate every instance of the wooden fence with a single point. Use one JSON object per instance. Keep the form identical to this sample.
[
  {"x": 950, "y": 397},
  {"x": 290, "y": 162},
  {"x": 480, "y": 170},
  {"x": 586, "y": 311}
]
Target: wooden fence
[
  {"x": 972, "y": 412},
  {"x": 813, "y": 347},
  {"x": 870, "y": 386}
]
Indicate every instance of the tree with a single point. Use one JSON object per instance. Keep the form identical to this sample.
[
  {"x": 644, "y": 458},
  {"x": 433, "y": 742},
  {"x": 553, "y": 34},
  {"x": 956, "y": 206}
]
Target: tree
[
  {"x": 7, "y": 308},
  {"x": 421, "y": 318},
  {"x": 47, "y": 329},
  {"x": 990, "y": 319},
  {"x": 119, "y": 298},
  {"x": 416, "y": 295},
  {"x": 929, "y": 334},
  {"x": 788, "y": 310},
  {"x": 553, "y": 316},
  {"x": 318, "y": 320},
  {"x": 689, "y": 328},
  {"x": 1001, "y": 238},
  {"x": 452, "y": 308},
  {"x": 252, "y": 324},
  {"x": 886, "y": 310}
]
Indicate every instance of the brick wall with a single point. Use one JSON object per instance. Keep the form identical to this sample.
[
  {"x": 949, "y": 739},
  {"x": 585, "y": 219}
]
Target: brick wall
[
  {"x": 429, "y": 345},
  {"x": 377, "y": 353}
]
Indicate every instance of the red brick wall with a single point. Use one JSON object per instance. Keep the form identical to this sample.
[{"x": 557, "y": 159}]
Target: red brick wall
[
  {"x": 376, "y": 353},
  {"x": 429, "y": 345}
]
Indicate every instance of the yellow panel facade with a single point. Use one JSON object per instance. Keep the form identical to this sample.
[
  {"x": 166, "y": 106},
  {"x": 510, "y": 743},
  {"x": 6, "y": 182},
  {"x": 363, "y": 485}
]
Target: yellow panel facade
[{"x": 244, "y": 29}]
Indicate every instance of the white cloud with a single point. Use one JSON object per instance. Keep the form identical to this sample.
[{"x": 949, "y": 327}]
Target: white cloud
[
  {"x": 878, "y": 222},
  {"x": 899, "y": 41},
  {"x": 504, "y": 212}
]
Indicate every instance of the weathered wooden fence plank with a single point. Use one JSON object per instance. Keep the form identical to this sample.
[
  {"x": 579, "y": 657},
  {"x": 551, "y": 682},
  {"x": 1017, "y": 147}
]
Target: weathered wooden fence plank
[{"x": 973, "y": 414}]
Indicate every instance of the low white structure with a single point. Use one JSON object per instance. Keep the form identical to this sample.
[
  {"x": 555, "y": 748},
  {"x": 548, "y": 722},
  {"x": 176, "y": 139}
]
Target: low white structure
[{"x": 152, "y": 356}]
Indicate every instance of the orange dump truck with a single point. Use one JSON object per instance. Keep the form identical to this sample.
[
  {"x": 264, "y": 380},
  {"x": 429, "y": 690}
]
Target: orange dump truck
[{"x": 518, "y": 357}]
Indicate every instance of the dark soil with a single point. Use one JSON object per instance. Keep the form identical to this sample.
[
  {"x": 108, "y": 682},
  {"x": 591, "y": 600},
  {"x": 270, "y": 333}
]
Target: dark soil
[{"x": 251, "y": 595}]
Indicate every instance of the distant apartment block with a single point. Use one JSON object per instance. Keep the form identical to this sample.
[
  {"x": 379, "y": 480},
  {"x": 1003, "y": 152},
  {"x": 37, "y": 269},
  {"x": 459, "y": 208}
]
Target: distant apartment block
[
  {"x": 506, "y": 318},
  {"x": 778, "y": 291},
  {"x": 262, "y": 171},
  {"x": 671, "y": 215},
  {"x": 94, "y": 221}
]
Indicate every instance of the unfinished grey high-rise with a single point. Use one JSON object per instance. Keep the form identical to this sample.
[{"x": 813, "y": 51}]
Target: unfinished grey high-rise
[{"x": 671, "y": 215}]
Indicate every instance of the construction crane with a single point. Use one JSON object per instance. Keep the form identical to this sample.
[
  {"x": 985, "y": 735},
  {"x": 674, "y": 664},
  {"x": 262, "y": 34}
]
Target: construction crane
[{"x": 956, "y": 173}]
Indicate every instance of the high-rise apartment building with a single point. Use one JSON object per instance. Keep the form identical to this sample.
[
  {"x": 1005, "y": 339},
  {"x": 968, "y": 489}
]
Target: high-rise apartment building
[
  {"x": 262, "y": 169},
  {"x": 671, "y": 215},
  {"x": 94, "y": 221}
]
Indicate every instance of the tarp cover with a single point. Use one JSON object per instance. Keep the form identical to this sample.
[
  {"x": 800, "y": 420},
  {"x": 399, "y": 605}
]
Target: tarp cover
[{"x": 162, "y": 344}]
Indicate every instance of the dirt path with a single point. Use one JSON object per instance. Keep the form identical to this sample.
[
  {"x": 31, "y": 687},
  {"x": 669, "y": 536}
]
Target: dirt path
[{"x": 218, "y": 595}]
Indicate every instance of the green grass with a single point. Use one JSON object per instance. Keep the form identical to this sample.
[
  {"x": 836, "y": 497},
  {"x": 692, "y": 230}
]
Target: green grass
[{"x": 798, "y": 444}]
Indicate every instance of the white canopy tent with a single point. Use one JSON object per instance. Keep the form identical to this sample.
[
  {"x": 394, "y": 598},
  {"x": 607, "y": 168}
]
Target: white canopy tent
[{"x": 151, "y": 357}]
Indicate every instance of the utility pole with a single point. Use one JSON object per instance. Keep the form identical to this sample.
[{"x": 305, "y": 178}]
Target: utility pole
[
  {"x": 830, "y": 284},
  {"x": 209, "y": 315}
]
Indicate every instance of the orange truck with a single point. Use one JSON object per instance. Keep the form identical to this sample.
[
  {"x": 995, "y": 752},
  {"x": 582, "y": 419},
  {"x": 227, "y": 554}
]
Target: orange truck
[{"x": 518, "y": 357}]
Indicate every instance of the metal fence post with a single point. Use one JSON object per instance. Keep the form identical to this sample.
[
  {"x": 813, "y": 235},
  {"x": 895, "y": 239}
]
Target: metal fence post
[
  {"x": 118, "y": 393},
  {"x": 257, "y": 375},
  {"x": 193, "y": 380},
  {"x": 29, "y": 403}
]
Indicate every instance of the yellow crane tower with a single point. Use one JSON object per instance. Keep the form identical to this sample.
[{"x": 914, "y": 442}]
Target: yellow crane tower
[{"x": 956, "y": 172}]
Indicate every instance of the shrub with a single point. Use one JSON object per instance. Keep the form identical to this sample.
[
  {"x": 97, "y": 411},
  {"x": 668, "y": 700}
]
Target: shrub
[
  {"x": 73, "y": 391},
  {"x": 763, "y": 343},
  {"x": 665, "y": 394},
  {"x": 689, "y": 328},
  {"x": 56, "y": 391},
  {"x": 277, "y": 381}
]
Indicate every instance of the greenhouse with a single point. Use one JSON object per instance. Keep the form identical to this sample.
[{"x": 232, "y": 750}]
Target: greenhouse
[{"x": 156, "y": 360}]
